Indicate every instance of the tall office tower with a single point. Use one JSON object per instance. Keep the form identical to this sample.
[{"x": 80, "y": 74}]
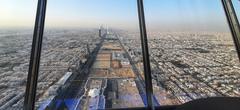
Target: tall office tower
[
  {"x": 88, "y": 49},
  {"x": 100, "y": 32},
  {"x": 107, "y": 29}
]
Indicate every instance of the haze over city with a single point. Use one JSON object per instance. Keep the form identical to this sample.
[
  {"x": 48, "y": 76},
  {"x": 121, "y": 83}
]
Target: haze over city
[
  {"x": 161, "y": 15},
  {"x": 91, "y": 54}
]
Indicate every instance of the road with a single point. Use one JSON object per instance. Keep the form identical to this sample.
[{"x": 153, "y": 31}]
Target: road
[
  {"x": 139, "y": 80},
  {"x": 75, "y": 94},
  {"x": 71, "y": 95}
]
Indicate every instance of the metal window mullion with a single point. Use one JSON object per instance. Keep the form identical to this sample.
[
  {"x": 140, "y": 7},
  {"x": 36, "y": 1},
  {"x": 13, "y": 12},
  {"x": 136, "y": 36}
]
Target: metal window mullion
[
  {"x": 32, "y": 79},
  {"x": 233, "y": 23},
  {"x": 145, "y": 52}
]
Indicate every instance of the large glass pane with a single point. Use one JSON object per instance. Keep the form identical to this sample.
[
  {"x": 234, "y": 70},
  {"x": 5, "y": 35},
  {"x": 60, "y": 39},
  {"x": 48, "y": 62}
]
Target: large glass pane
[
  {"x": 191, "y": 50},
  {"x": 16, "y": 32},
  {"x": 85, "y": 63},
  {"x": 236, "y": 4}
]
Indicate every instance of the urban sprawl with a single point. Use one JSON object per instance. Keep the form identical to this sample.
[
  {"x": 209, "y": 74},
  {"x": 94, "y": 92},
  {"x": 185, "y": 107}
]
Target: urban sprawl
[{"x": 98, "y": 68}]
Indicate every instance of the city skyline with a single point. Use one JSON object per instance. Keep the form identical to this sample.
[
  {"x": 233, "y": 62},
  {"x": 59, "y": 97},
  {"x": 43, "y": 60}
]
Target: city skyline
[{"x": 91, "y": 55}]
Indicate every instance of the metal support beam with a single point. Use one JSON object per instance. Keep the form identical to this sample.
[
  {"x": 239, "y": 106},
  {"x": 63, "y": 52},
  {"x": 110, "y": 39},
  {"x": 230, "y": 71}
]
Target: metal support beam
[
  {"x": 145, "y": 52},
  {"x": 32, "y": 79},
  {"x": 233, "y": 23}
]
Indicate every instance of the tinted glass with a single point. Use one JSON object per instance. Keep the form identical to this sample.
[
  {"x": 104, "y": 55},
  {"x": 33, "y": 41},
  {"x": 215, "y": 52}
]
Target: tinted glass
[
  {"x": 191, "y": 50},
  {"x": 85, "y": 62}
]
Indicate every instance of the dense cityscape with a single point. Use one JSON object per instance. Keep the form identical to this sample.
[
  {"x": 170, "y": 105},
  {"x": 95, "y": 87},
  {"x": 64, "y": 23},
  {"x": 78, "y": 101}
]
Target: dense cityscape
[
  {"x": 97, "y": 68},
  {"x": 188, "y": 66}
]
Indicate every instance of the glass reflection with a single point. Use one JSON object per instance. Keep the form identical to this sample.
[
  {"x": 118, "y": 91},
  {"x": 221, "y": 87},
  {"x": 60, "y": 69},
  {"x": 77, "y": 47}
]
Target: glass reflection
[
  {"x": 192, "y": 51},
  {"x": 85, "y": 62}
]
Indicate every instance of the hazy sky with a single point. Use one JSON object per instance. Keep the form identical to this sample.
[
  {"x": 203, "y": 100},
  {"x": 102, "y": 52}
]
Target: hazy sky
[
  {"x": 164, "y": 15},
  {"x": 17, "y": 13}
]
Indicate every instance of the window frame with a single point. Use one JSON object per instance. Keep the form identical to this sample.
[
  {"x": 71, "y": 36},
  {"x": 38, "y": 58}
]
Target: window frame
[
  {"x": 31, "y": 87},
  {"x": 30, "y": 93},
  {"x": 233, "y": 23}
]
